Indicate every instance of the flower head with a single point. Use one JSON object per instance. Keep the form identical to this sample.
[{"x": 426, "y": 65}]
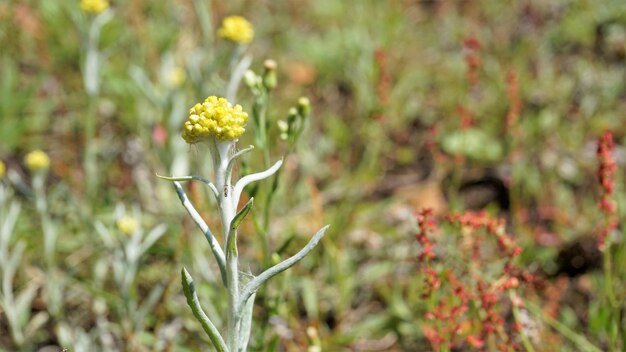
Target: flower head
[
  {"x": 37, "y": 160},
  {"x": 3, "y": 169},
  {"x": 127, "y": 225},
  {"x": 94, "y": 6},
  {"x": 214, "y": 117},
  {"x": 236, "y": 29}
]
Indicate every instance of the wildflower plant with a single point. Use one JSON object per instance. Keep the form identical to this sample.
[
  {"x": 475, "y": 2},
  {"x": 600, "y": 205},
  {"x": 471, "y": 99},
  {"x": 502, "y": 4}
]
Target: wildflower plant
[
  {"x": 38, "y": 164},
  {"x": 15, "y": 304},
  {"x": 289, "y": 129},
  {"x": 610, "y": 243},
  {"x": 164, "y": 111},
  {"x": 93, "y": 16},
  {"x": 217, "y": 123},
  {"x": 477, "y": 285},
  {"x": 127, "y": 242}
]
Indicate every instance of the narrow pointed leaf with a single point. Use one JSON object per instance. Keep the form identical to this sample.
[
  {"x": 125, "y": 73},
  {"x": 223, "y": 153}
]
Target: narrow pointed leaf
[
  {"x": 234, "y": 225},
  {"x": 231, "y": 244},
  {"x": 192, "y": 178},
  {"x": 252, "y": 286},
  {"x": 246, "y": 322},
  {"x": 189, "y": 290}
]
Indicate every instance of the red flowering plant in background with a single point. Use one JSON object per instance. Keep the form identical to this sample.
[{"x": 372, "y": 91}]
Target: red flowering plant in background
[
  {"x": 606, "y": 176},
  {"x": 470, "y": 282}
]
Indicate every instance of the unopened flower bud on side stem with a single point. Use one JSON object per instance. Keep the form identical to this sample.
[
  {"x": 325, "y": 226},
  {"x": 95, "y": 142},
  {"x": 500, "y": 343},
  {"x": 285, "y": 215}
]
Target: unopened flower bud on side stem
[
  {"x": 269, "y": 76},
  {"x": 251, "y": 79},
  {"x": 304, "y": 106}
]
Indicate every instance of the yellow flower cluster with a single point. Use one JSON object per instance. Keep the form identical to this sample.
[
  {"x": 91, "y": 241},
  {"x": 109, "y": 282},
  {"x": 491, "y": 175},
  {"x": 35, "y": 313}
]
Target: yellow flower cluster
[
  {"x": 127, "y": 225},
  {"x": 37, "y": 160},
  {"x": 236, "y": 29},
  {"x": 94, "y": 6},
  {"x": 214, "y": 117},
  {"x": 3, "y": 169}
]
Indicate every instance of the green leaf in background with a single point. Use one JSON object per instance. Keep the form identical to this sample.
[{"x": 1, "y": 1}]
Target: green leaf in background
[
  {"x": 14, "y": 99},
  {"x": 472, "y": 143}
]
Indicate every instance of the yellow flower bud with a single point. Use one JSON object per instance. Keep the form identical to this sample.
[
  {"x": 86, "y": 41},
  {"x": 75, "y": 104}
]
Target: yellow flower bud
[
  {"x": 127, "y": 225},
  {"x": 275, "y": 258},
  {"x": 37, "y": 160},
  {"x": 94, "y": 6},
  {"x": 215, "y": 117},
  {"x": 304, "y": 106},
  {"x": 270, "y": 65},
  {"x": 283, "y": 126},
  {"x": 3, "y": 169},
  {"x": 177, "y": 77},
  {"x": 236, "y": 29}
]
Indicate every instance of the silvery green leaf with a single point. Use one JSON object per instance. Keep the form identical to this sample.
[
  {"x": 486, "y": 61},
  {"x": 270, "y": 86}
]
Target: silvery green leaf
[
  {"x": 23, "y": 303},
  {"x": 246, "y": 323},
  {"x": 192, "y": 178},
  {"x": 189, "y": 291},
  {"x": 9, "y": 224},
  {"x": 254, "y": 284},
  {"x": 35, "y": 323},
  {"x": 152, "y": 237},
  {"x": 149, "y": 303},
  {"x": 246, "y": 180},
  {"x": 104, "y": 233}
]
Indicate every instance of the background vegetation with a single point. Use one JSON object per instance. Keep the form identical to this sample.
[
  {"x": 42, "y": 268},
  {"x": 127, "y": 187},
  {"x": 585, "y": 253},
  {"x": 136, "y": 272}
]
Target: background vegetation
[{"x": 473, "y": 105}]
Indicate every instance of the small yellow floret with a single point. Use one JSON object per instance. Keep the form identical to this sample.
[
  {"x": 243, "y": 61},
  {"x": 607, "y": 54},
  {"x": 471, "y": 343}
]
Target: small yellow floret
[
  {"x": 214, "y": 117},
  {"x": 3, "y": 169},
  {"x": 127, "y": 225},
  {"x": 94, "y": 6},
  {"x": 37, "y": 160},
  {"x": 236, "y": 29}
]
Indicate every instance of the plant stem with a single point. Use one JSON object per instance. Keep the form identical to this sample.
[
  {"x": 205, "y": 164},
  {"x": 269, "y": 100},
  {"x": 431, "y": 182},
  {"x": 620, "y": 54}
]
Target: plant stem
[
  {"x": 262, "y": 233},
  {"x": 516, "y": 314},
  {"x": 615, "y": 312},
  {"x": 263, "y": 128},
  {"x": 238, "y": 69},
  {"x": 608, "y": 288},
  {"x": 89, "y": 158},
  {"x": 91, "y": 81},
  {"x": 226, "y": 202},
  {"x": 608, "y": 276},
  {"x": 578, "y": 339}
]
